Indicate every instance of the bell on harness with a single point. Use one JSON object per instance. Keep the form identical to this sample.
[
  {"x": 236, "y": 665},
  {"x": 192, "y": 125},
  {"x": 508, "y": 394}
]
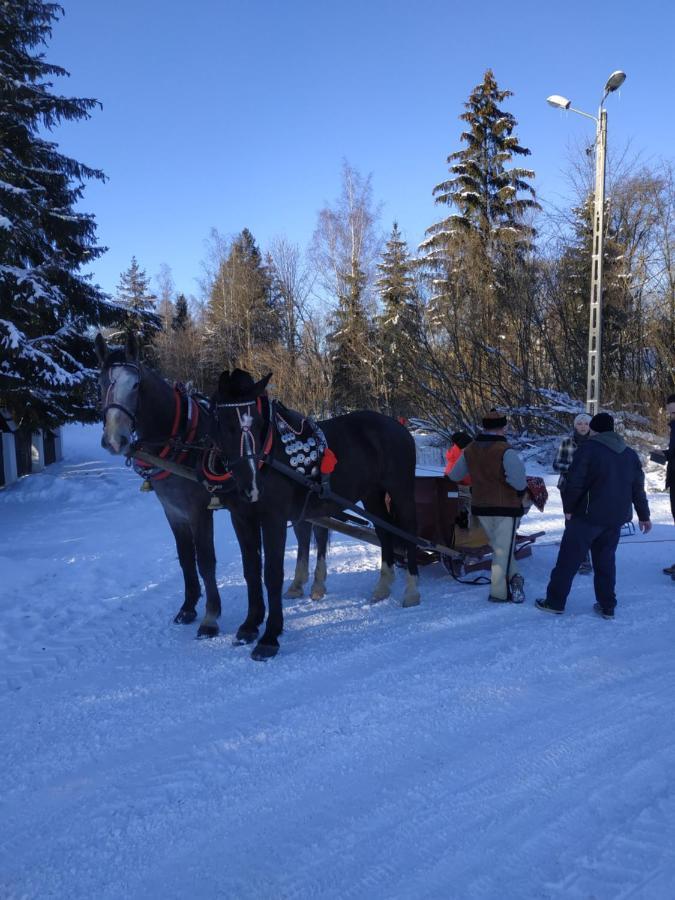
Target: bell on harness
[
  {"x": 146, "y": 486},
  {"x": 214, "y": 502}
]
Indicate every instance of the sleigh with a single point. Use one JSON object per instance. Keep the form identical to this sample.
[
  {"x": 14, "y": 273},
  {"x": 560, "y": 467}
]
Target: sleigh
[{"x": 449, "y": 533}]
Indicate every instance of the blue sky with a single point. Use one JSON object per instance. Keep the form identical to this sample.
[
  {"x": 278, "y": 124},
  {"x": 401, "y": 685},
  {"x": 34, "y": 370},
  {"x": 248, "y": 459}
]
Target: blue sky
[{"x": 233, "y": 115}]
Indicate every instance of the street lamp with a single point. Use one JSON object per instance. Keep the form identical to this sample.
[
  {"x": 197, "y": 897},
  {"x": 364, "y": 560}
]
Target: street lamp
[{"x": 615, "y": 80}]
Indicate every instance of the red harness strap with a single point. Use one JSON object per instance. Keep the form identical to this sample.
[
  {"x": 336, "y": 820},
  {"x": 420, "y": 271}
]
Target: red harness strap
[{"x": 166, "y": 449}]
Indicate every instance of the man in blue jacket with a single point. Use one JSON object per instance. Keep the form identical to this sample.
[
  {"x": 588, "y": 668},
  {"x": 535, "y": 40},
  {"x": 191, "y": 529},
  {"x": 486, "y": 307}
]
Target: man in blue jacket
[{"x": 604, "y": 482}]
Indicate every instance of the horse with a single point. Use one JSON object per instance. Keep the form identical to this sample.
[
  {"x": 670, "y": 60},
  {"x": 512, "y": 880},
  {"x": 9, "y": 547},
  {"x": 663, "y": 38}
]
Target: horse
[
  {"x": 375, "y": 464},
  {"x": 139, "y": 408}
]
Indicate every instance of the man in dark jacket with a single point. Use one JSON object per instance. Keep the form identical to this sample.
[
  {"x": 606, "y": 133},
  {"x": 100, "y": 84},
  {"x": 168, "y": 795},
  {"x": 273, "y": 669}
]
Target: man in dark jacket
[
  {"x": 670, "y": 467},
  {"x": 604, "y": 482}
]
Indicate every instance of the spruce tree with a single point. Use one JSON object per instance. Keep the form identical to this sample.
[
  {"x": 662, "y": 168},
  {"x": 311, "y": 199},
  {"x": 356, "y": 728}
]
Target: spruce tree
[
  {"x": 134, "y": 295},
  {"x": 46, "y": 305},
  {"x": 574, "y": 284},
  {"x": 181, "y": 316},
  {"x": 477, "y": 262},
  {"x": 242, "y": 314},
  {"x": 352, "y": 348},
  {"x": 396, "y": 323},
  {"x": 491, "y": 199}
]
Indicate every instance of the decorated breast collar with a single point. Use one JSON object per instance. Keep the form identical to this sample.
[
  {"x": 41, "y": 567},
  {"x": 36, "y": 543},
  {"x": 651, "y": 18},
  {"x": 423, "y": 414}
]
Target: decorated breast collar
[{"x": 303, "y": 441}]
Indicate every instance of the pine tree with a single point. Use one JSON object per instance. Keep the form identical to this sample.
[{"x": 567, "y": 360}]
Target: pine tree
[
  {"x": 134, "y": 295},
  {"x": 396, "y": 325},
  {"x": 46, "y": 306}
]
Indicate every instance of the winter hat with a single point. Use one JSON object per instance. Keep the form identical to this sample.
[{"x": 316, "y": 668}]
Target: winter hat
[
  {"x": 582, "y": 418},
  {"x": 462, "y": 439},
  {"x": 493, "y": 420},
  {"x": 602, "y": 422}
]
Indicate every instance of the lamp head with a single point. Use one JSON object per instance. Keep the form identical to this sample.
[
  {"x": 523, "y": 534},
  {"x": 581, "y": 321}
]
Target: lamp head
[
  {"x": 615, "y": 80},
  {"x": 558, "y": 101}
]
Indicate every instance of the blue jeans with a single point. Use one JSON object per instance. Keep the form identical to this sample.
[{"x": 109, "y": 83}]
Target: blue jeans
[{"x": 579, "y": 537}]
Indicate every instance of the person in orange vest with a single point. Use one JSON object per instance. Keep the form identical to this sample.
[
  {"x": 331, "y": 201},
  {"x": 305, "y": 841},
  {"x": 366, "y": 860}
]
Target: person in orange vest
[{"x": 460, "y": 440}]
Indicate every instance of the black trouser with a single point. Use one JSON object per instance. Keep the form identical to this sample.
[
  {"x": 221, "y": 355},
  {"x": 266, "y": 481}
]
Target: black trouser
[{"x": 579, "y": 536}]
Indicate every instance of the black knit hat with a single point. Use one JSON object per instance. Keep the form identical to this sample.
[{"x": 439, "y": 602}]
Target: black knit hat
[
  {"x": 493, "y": 420},
  {"x": 462, "y": 439},
  {"x": 601, "y": 422}
]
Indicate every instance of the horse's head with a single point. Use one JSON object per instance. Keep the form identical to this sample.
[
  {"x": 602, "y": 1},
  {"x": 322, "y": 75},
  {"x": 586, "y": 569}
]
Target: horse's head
[
  {"x": 240, "y": 428},
  {"x": 119, "y": 381}
]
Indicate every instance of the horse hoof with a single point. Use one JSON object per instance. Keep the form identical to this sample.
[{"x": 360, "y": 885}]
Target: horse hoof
[
  {"x": 378, "y": 598},
  {"x": 245, "y": 636},
  {"x": 294, "y": 592},
  {"x": 318, "y": 595},
  {"x": 412, "y": 600},
  {"x": 262, "y": 652},
  {"x": 209, "y": 630},
  {"x": 185, "y": 616}
]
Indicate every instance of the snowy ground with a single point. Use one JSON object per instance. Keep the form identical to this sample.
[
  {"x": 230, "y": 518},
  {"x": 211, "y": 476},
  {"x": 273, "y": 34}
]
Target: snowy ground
[{"x": 458, "y": 749}]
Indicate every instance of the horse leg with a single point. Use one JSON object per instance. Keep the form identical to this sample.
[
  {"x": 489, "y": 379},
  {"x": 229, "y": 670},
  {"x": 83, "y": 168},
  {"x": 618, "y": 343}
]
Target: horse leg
[
  {"x": 303, "y": 533},
  {"x": 185, "y": 548},
  {"x": 406, "y": 518},
  {"x": 247, "y": 529},
  {"x": 274, "y": 544},
  {"x": 206, "y": 560},
  {"x": 375, "y": 504},
  {"x": 318, "y": 589}
]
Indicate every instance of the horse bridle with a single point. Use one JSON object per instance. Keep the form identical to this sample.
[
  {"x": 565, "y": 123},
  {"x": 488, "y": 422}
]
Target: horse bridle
[
  {"x": 111, "y": 402},
  {"x": 248, "y": 452}
]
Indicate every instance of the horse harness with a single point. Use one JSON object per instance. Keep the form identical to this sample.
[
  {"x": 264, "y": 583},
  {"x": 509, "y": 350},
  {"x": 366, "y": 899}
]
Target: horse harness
[
  {"x": 180, "y": 443},
  {"x": 303, "y": 442}
]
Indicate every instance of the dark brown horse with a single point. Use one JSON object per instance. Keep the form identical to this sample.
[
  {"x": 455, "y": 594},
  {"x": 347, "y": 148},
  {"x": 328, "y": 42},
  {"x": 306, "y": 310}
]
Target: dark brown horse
[
  {"x": 375, "y": 465},
  {"x": 139, "y": 406}
]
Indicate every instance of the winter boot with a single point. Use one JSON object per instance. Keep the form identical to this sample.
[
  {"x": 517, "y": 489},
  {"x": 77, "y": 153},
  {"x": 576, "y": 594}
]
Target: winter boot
[
  {"x": 600, "y": 611},
  {"x": 517, "y": 585},
  {"x": 542, "y": 604}
]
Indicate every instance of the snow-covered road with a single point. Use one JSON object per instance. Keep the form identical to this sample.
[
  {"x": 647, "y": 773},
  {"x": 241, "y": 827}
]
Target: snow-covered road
[{"x": 458, "y": 749}]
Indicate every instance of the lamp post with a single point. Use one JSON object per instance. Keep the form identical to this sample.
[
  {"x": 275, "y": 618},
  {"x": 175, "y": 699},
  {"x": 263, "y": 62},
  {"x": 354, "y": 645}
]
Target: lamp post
[{"x": 615, "y": 80}]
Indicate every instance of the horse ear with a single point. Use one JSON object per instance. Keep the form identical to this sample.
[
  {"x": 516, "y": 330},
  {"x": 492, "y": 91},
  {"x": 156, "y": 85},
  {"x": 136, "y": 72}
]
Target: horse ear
[
  {"x": 259, "y": 386},
  {"x": 131, "y": 349},
  {"x": 223, "y": 383},
  {"x": 100, "y": 348}
]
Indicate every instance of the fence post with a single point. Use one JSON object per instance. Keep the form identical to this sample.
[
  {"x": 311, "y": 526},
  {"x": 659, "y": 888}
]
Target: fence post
[{"x": 37, "y": 451}]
